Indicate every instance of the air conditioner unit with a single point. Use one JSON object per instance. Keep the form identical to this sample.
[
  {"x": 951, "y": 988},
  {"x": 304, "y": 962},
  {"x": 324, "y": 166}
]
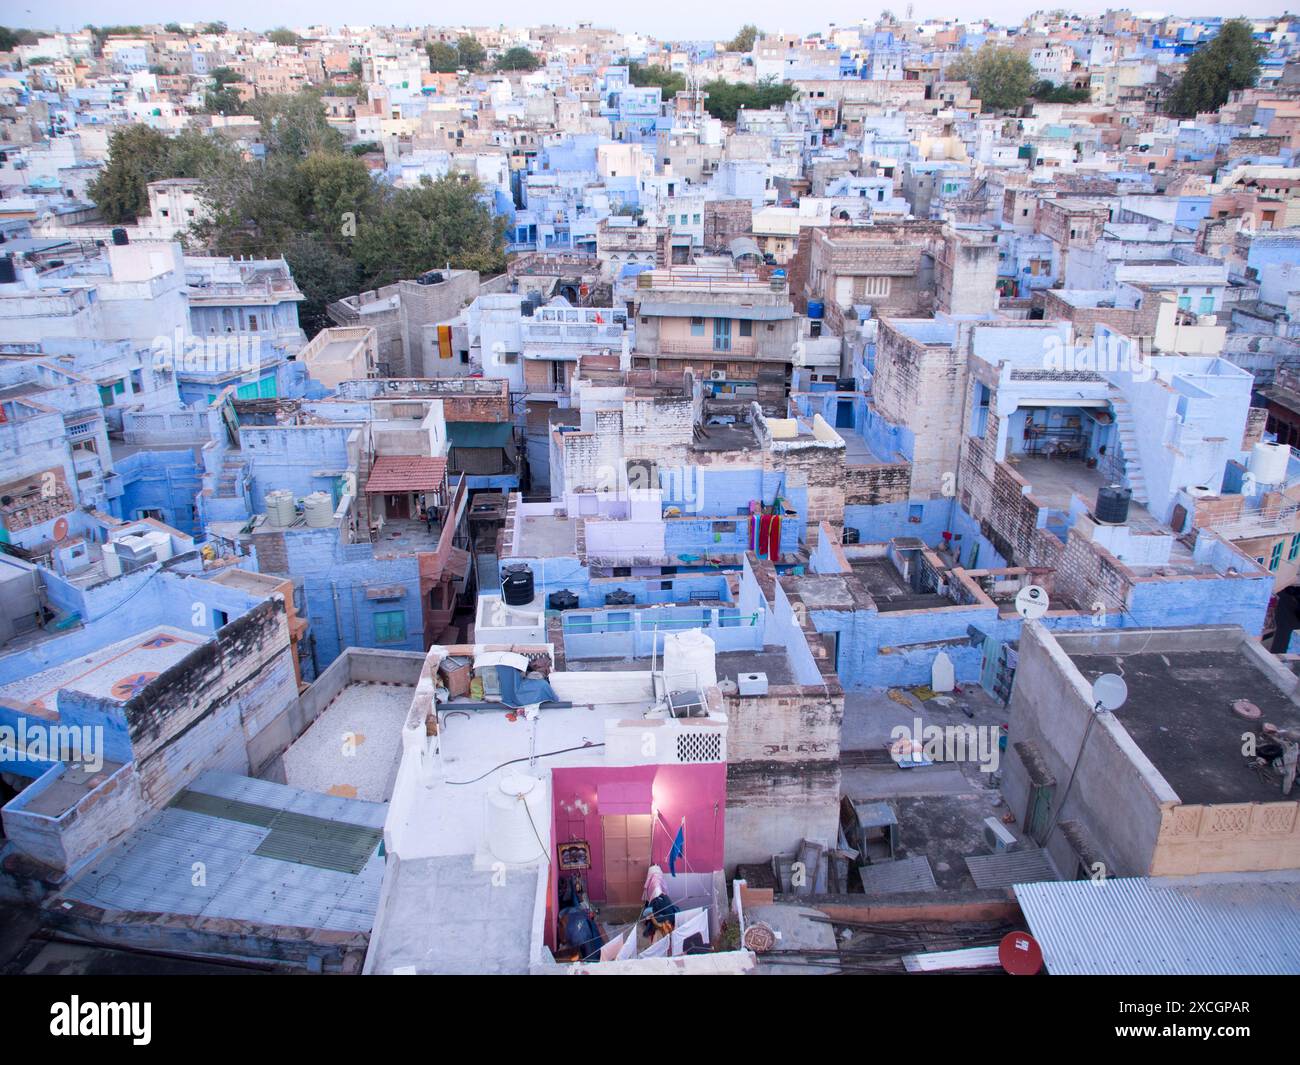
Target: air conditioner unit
[
  {"x": 717, "y": 375},
  {"x": 997, "y": 837}
]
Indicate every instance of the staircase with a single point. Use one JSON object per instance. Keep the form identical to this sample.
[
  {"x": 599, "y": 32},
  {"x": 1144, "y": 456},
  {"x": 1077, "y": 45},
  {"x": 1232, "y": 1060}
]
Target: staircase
[
  {"x": 1129, "y": 448},
  {"x": 230, "y": 481}
]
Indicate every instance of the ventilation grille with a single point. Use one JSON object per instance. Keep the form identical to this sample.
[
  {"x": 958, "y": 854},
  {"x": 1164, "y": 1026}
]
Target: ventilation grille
[{"x": 699, "y": 747}]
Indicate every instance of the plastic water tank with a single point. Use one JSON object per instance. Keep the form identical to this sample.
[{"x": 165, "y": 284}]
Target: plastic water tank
[
  {"x": 279, "y": 507},
  {"x": 515, "y": 809},
  {"x": 318, "y": 509},
  {"x": 1268, "y": 463},
  {"x": 690, "y": 652},
  {"x": 562, "y": 600},
  {"x": 1112, "y": 504},
  {"x": 517, "y": 587},
  {"x": 620, "y": 598},
  {"x": 816, "y": 309}
]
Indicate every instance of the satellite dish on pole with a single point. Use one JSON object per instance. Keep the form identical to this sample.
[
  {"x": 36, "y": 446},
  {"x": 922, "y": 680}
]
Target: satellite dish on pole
[{"x": 1109, "y": 691}]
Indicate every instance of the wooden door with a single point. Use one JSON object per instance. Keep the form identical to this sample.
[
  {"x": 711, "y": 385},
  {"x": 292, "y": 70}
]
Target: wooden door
[
  {"x": 397, "y": 506},
  {"x": 627, "y": 857}
]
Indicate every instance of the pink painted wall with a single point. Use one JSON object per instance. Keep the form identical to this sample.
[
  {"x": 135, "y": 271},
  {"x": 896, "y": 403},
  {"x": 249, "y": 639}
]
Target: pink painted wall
[{"x": 696, "y": 792}]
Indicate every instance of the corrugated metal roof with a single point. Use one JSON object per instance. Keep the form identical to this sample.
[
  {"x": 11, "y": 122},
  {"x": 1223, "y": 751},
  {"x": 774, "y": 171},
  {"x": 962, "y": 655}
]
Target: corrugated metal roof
[
  {"x": 1140, "y": 926},
  {"x": 905, "y": 874},
  {"x": 1005, "y": 868}
]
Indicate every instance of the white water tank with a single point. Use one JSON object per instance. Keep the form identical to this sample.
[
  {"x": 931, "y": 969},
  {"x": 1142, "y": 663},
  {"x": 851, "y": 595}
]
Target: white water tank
[
  {"x": 690, "y": 653},
  {"x": 161, "y": 543},
  {"x": 516, "y": 817},
  {"x": 279, "y": 508},
  {"x": 318, "y": 509},
  {"x": 1268, "y": 463}
]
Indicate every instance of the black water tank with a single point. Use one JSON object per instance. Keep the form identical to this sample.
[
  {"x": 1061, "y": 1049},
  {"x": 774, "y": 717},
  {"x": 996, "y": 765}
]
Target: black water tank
[
  {"x": 564, "y": 600},
  {"x": 620, "y": 598},
  {"x": 1112, "y": 504},
  {"x": 120, "y": 237},
  {"x": 517, "y": 585},
  {"x": 850, "y": 536},
  {"x": 8, "y": 275}
]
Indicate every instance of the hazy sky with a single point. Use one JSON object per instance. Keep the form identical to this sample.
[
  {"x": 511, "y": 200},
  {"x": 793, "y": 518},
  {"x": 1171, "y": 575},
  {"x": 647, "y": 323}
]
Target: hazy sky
[{"x": 686, "y": 19}]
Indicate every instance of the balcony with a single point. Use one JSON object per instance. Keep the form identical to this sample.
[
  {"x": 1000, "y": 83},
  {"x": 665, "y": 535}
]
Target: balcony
[{"x": 707, "y": 346}]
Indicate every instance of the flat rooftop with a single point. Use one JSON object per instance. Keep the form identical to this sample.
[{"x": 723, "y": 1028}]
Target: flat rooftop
[
  {"x": 118, "y": 671},
  {"x": 546, "y": 536},
  {"x": 1179, "y": 711},
  {"x": 353, "y": 748},
  {"x": 273, "y": 855},
  {"x": 889, "y": 590}
]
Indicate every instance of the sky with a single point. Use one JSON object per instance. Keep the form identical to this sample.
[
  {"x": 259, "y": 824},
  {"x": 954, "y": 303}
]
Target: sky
[{"x": 677, "y": 19}]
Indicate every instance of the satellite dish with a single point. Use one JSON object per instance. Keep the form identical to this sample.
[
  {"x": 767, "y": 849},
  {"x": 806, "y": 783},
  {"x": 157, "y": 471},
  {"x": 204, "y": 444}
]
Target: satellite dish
[
  {"x": 61, "y": 529},
  {"x": 1020, "y": 954},
  {"x": 1109, "y": 691},
  {"x": 1031, "y": 602}
]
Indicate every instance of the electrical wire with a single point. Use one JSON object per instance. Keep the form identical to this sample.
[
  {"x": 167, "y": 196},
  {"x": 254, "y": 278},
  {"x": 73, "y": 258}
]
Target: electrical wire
[{"x": 525, "y": 758}]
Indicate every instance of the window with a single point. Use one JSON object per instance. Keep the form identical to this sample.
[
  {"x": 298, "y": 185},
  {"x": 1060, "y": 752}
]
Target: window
[
  {"x": 1295, "y": 548},
  {"x": 1207, "y": 305},
  {"x": 695, "y": 219},
  {"x": 390, "y": 626},
  {"x": 697, "y": 327},
  {"x": 1184, "y": 303},
  {"x": 746, "y": 327},
  {"x": 1276, "y": 557},
  {"x": 864, "y": 287}
]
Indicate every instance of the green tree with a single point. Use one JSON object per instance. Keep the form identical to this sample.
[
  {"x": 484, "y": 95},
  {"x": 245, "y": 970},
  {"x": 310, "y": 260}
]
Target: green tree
[
  {"x": 1049, "y": 93},
  {"x": 173, "y": 27},
  {"x": 443, "y": 57},
  {"x": 430, "y": 225},
  {"x": 354, "y": 68},
  {"x": 518, "y": 59},
  {"x": 214, "y": 27},
  {"x": 1000, "y": 77},
  {"x": 294, "y": 124},
  {"x": 323, "y": 273},
  {"x": 138, "y": 155},
  {"x": 726, "y": 98},
  {"x": 472, "y": 54},
  {"x": 744, "y": 40},
  {"x": 647, "y": 77},
  {"x": 223, "y": 102},
  {"x": 1226, "y": 65},
  {"x": 9, "y": 39},
  {"x": 224, "y": 76},
  {"x": 283, "y": 37}
]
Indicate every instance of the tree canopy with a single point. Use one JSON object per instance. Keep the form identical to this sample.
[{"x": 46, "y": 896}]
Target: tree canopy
[
  {"x": 472, "y": 54},
  {"x": 647, "y": 77},
  {"x": 1000, "y": 77},
  {"x": 310, "y": 200},
  {"x": 744, "y": 40},
  {"x": 518, "y": 59},
  {"x": 282, "y": 36},
  {"x": 1048, "y": 93},
  {"x": 726, "y": 98},
  {"x": 443, "y": 57},
  {"x": 1227, "y": 64},
  {"x": 139, "y": 155}
]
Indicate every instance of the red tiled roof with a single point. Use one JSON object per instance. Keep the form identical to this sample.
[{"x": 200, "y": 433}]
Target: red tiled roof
[{"x": 406, "y": 473}]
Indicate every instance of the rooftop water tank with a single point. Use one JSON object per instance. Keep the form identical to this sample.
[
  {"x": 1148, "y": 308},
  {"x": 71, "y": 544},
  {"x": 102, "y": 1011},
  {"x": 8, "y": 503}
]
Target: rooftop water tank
[
  {"x": 816, "y": 309},
  {"x": 517, "y": 587},
  {"x": 318, "y": 509},
  {"x": 620, "y": 598},
  {"x": 279, "y": 508},
  {"x": 562, "y": 600},
  {"x": 692, "y": 654},
  {"x": 514, "y": 808},
  {"x": 1112, "y": 504},
  {"x": 1268, "y": 463}
]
